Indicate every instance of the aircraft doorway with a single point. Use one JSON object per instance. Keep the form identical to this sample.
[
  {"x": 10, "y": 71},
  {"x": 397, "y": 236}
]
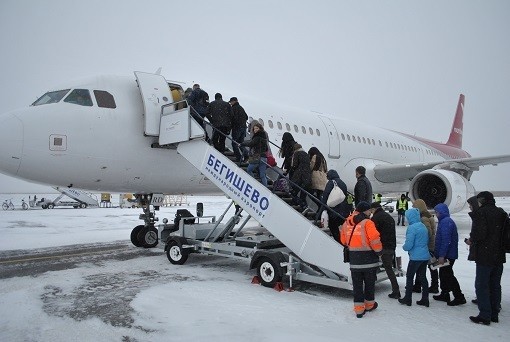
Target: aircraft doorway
[{"x": 334, "y": 139}]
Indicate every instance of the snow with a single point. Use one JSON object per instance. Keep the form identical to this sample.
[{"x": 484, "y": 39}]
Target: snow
[{"x": 146, "y": 298}]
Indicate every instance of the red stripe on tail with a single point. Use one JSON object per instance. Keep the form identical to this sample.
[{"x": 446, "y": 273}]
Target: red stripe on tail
[{"x": 455, "y": 138}]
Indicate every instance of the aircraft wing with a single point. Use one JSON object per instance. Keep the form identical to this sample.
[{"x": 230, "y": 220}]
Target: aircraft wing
[{"x": 388, "y": 173}]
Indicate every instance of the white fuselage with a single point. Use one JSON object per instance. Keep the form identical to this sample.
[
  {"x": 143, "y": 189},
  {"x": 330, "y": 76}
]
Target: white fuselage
[{"x": 106, "y": 150}]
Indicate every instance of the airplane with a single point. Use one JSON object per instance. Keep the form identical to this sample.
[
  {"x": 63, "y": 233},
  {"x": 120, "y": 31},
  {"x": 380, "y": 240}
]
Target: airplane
[{"x": 102, "y": 134}]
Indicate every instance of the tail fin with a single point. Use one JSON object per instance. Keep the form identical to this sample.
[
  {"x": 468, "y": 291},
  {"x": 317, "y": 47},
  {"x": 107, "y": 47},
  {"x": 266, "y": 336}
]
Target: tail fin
[{"x": 455, "y": 138}]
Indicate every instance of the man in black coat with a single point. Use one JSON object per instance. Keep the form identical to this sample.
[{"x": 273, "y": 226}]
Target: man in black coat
[
  {"x": 363, "y": 187},
  {"x": 239, "y": 119},
  {"x": 489, "y": 255},
  {"x": 220, "y": 115},
  {"x": 385, "y": 225}
]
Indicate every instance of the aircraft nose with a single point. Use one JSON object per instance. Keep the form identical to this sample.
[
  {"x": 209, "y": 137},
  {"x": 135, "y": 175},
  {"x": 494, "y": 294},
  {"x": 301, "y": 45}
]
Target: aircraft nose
[{"x": 11, "y": 143}]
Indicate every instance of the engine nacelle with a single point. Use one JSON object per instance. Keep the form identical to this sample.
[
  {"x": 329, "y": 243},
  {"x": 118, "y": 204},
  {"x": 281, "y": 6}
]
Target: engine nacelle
[{"x": 441, "y": 186}]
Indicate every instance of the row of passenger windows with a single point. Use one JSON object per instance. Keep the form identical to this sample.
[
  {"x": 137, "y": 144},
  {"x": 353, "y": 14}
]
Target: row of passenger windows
[
  {"x": 288, "y": 127},
  {"x": 79, "y": 97},
  {"x": 352, "y": 138}
]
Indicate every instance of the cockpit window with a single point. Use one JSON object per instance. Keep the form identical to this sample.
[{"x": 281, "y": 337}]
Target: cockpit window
[
  {"x": 80, "y": 97},
  {"x": 51, "y": 97},
  {"x": 104, "y": 99}
]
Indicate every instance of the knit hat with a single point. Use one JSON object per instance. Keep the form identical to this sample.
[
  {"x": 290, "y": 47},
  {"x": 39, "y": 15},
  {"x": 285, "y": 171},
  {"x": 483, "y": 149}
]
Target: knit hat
[
  {"x": 362, "y": 206},
  {"x": 375, "y": 205},
  {"x": 232, "y": 99},
  {"x": 485, "y": 197}
]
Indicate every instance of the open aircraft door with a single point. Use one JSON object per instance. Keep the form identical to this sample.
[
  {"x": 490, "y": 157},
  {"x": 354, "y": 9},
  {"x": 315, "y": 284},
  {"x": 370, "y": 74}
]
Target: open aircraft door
[
  {"x": 334, "y": 139},
  {"x": 155, "y": 93}
]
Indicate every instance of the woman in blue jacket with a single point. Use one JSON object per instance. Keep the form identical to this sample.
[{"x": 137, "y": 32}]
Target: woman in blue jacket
[
  {"x": 417, "y": 245},
  {"x": 447, "y": 248}
]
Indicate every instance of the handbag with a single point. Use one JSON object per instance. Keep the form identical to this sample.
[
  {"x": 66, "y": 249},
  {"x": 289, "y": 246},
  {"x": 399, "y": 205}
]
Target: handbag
[
  {"x": 282, "y": 184},
  {"x": 336, "y": 196},
  {"x": 270, "y": 159}
]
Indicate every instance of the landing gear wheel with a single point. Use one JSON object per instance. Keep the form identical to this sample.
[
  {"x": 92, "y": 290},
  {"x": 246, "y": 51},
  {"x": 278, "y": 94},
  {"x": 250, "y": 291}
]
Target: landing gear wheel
[
  {"x": 269, "y": 272},
  {"x": 134, "y": 236},
  {"x": 5, "y": 206},
  {"x": 83, "y": 205},
  {"x": 24, "y": 206},
  {"x": 44, "y": 206},
  {"x": 148, "y": 237},
  {"x": 51, "y": 206},
  {"x": 176, "y": 254}
]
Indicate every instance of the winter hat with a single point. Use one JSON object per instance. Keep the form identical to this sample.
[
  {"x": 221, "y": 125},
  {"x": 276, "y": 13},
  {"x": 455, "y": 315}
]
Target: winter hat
[
  {"x": 233, "y": 99},
  {"x": 362, "y": 206},
  {"x": 375, "y": 205},
  {"x": 485, "y": 197}
]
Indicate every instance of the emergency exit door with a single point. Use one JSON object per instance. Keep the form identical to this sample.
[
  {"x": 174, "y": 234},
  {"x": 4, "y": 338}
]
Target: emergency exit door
[{"x": 334, "y": 139}]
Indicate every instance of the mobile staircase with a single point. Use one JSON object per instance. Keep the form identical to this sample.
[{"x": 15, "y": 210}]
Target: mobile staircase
[
  {"x": 295, "y": 247},
  {"x": 81, "y": 199}
]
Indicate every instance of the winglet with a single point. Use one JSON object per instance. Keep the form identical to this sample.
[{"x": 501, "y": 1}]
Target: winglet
[{"x": 455, "y": 138}]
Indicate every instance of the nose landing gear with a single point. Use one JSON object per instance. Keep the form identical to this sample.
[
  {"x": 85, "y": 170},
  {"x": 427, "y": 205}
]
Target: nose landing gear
[{"x": 146, "y": 235}]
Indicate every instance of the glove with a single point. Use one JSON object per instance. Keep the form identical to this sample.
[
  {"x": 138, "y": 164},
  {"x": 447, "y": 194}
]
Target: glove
[{"x": 440, "y": 260}]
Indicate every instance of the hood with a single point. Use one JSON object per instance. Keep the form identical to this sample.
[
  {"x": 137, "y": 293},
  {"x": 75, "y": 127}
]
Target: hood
[
  {"x": 422, "y": 207},
  {"x": 474, "y": 202},
  {"x": 332, "y": 174},
  {"x": 413, "y": 215},
  {"x": 442, "y": 211}
]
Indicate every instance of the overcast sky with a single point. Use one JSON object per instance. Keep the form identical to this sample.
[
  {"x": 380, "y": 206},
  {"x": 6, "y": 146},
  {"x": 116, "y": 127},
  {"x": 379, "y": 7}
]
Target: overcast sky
[{"x": 394, "y": 64}]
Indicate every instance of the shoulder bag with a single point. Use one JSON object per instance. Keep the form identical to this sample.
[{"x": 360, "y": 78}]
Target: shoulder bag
[{"x": 336, "y": 196}]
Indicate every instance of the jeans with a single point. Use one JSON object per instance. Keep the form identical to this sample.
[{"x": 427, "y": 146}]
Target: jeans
[
  {"x": 238, "y": 135},
  {"x": 261, "y": 165},
  {"x": 488, "y": 290},
  {"x": 418, "y": 267}
]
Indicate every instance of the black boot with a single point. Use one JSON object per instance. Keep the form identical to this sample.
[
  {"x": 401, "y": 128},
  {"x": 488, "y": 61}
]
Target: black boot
[
  {"x": 433, "y": 289},
  {"x": 457, "y": 301},
  {"x": 423, "y": 302},
  {"x": 443, "y": 297},
  {"x": 479, "y": 320},
  {"x": 405, "y": 301},
  {"x": 394, "y": 295}
]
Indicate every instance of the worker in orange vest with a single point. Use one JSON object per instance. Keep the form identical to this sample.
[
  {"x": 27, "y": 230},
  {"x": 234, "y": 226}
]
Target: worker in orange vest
[{"x": 362, "y": 239}]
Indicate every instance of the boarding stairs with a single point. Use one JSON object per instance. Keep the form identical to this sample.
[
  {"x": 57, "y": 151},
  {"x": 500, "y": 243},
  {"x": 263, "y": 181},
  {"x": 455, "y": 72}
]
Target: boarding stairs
[
  {"x": 176, "y": 128},
  {"x": 84, "y": 198},
  {"x": 308, "y": 242}
]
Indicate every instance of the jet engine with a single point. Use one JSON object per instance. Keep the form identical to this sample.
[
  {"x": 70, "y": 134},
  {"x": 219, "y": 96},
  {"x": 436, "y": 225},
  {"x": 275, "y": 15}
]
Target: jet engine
[{"x": 441, "y": 186}]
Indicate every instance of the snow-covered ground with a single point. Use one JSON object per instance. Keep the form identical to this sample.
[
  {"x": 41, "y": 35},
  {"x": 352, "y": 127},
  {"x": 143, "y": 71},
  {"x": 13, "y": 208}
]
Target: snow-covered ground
[{"x": 148, "y": 299}]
